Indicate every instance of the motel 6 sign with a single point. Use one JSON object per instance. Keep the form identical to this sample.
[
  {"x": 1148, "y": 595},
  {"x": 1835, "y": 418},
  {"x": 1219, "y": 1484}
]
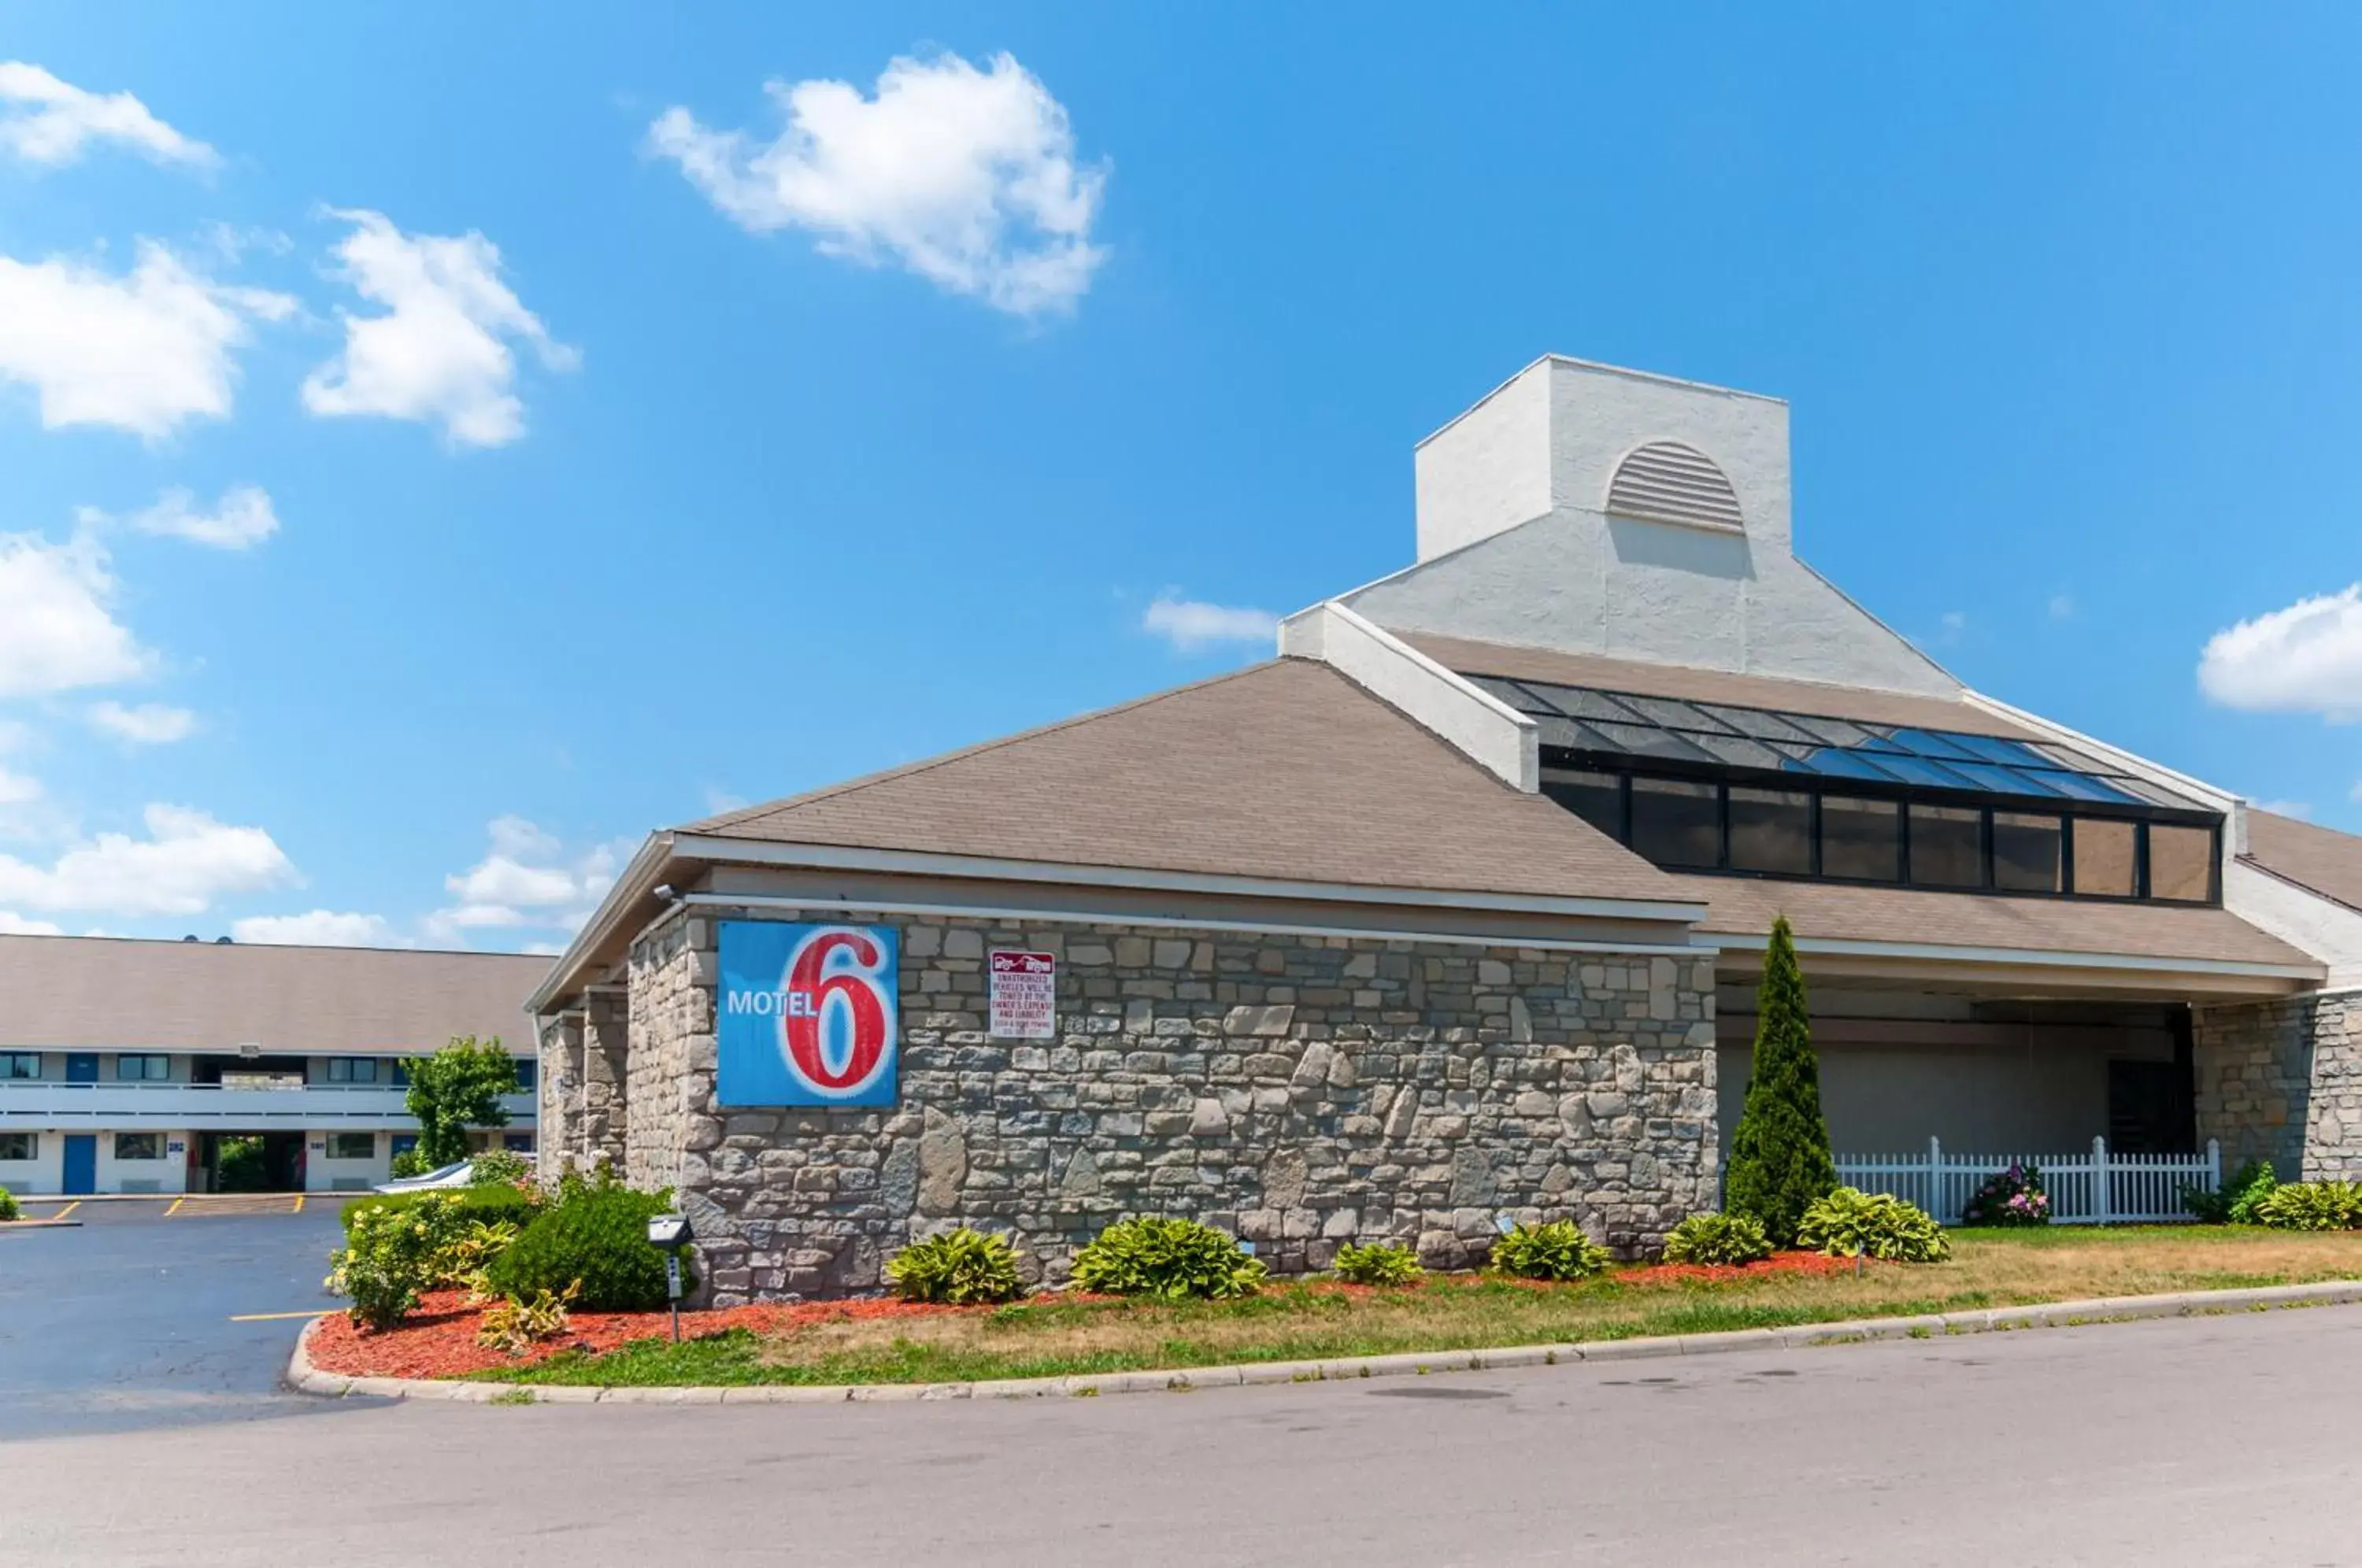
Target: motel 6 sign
[{"x": 808, "y": 1015}]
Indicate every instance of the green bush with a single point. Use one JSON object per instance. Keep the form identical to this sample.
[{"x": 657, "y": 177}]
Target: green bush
[
  {"x": 1378, "y": 1262},
  {"x": 498, "y": 1167},
  {"x": 597, "y": 1233},
  {"x": 1779, "y": 1152},
  {"x": 487, "y": 1203},
  {"x": 962, "y": 1267},
  {"x": 1165, "y": 1257},
  {"x": 1717, "y": 1238},
  {"x": 2311, "y": 1205},
  {"x": 2238, "y": 1199},
  {"x": 1849, "y": 1222},
  {"x": 1558, "y": 1250},
  {"x": 8, "y": 1208},
  {"x": 390, "y": 1258}
]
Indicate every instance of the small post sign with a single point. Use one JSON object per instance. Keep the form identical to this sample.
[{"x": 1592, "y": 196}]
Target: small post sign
[{"x": 1024, "y": 1004}]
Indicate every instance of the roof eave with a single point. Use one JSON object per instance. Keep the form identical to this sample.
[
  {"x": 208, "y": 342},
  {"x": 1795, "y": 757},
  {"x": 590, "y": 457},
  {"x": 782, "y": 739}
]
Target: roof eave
[{"x": 635, "y": 888}]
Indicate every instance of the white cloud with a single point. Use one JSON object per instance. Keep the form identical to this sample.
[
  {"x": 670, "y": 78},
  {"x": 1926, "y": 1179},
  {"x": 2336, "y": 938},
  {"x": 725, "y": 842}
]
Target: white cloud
[
  {"x": 2306, "y": 658},
  {"x": 51, "y": 122},
  {"x": 440, "y": 353},
  {"x": 2293, "y": 808},
  {"x": 141, "y": 352},
  {"x": 317, "y": 928},
  {"x": 966, "y": 177},
  {"x": 187, "y": 861},
  {"x": 18, "y": 789},
  {"x": 1190, "y": 625},
  {"x": 527, "y": 880},
  {"x": 56, "y": 629},
  {"x": 241, "y": 518},
  {"x": 13, "y": 924},
  {"x": 1955, "y": 620},
  {"x": 149, "y": 724},
  {"x": 2062, "y": 606}
]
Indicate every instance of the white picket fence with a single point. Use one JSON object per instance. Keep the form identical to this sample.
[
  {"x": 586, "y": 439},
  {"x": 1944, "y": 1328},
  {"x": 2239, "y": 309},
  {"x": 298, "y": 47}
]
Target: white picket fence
[{"x": 2093, "y": 1189}]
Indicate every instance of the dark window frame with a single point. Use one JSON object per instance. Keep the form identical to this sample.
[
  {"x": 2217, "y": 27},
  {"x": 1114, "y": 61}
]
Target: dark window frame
[
  {"x": 12, "y": 1061},
  {"x": 1625, "y": 767}
]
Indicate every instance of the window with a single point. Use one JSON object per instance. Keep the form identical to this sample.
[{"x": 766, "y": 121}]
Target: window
[
  {"x": 1770, "y": 829},
  {"x": 400, "y": 1073},
  {"x": 1676, "y": 823},
  {"x": 524, "y": 1074},
  {"x": 20, "y": 1063},
  {"x": 138, "y": 1145},
  {"x": 352, "y": 1069},
  {"x": 1946, "y": 846},
  {"x": 20, "y": 1145},
  {"x": 1861, "y": 840},
  {"x": 517, "y": 1143},
  {"x": 148, "y": 1069},
  {"x": 2104, "y": 857},
  {"x": 2029, "y": 853},
  {"x": 1597, "y": 798},
  {"x": 403, "y": 1143},
  {"x": 352, "y": 1146},
  {"x": 2180, "y": 863}
]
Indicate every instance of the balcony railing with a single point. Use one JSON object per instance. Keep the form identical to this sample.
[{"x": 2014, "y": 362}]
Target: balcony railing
[{"x": 48, "y": 1103}]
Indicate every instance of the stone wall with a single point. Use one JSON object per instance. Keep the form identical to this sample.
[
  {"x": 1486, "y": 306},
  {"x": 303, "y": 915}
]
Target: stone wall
[
  {"x": 1302, "y": 1091},
  {"x": 559, "y": 1105},
  {"x": 2282, "y": 1081},
  {"x": 670, "y": 1058},
  {"x": 603, "y": 1114}
]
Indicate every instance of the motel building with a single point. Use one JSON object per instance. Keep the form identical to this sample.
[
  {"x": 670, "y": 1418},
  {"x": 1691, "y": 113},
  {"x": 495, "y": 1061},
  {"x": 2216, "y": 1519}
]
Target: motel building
[
  {"x": 137, "y": 1066},
  {"x": 1453, "y": 913}
]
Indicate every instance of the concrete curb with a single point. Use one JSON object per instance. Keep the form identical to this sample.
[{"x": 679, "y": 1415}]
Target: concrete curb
[
  {"x": 8, "y": 1225},
  {"x": 303, "y": 1375}
]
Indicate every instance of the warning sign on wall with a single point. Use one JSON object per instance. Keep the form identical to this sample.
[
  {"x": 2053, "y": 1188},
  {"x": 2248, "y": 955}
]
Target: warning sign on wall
[{"x": 1024, "y": 995}]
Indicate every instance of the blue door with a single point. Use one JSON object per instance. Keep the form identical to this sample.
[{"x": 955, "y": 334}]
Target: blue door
[
  {"x": 82, "y": 1162},
  {"x": 81, "y": 1067}
]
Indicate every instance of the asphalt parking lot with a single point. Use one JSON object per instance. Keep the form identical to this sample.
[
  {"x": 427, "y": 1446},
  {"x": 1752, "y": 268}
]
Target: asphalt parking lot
[{"x": 143, "y": 1315}]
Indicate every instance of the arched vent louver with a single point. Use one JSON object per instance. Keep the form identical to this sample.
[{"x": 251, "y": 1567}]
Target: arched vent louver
[{"x": 1665, "y": 481}]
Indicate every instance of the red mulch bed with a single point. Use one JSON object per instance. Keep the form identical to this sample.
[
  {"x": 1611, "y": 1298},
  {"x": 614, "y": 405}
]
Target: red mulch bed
[
  {"x": 1724, "y": 1274},
  {"x": 439, "y": 1339}
]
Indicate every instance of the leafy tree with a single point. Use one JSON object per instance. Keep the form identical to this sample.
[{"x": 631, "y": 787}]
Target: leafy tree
[
  {"x": 1779, "y": 1163},
  {"x": 458, "y": 1087}
]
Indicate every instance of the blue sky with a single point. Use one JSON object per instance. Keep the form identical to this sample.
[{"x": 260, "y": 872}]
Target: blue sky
[{"x": 438, "y": 452}]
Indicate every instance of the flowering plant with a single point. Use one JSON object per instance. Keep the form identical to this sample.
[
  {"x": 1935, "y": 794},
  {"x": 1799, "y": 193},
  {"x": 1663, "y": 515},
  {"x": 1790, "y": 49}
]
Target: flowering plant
[{"x": 2013, "y": 1196}]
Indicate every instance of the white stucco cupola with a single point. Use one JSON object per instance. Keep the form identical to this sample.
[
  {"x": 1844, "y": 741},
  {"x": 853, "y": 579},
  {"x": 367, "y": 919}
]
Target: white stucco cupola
[{"x": 1589, "y": 509}]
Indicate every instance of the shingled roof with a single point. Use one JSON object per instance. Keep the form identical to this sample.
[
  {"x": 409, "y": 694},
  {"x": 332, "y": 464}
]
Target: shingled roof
[
  {"x": 2319, "y": 860},
  {"x": 1744, "y": 906},
  {"x": 109, "y": 993},
  {"x": 1285, "y": 771}
]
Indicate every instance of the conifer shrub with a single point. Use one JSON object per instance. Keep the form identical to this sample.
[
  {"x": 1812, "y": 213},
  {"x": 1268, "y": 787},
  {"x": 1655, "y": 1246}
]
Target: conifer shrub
[
  {"x": 1175, "y": 1259},
  {"x": 1378, "y": 1262},
  {"x": 960, "y": 1267},
  {"x": 1558, "y": 1250},
  {"x": 1850, "y": 1223},
  {"x": 1779, "y": 1162},
  {"x": 1717, "y": 1238}
]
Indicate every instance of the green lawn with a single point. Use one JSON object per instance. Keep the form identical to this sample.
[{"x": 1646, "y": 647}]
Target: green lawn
[{"x": 1049, "y": 1336}]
